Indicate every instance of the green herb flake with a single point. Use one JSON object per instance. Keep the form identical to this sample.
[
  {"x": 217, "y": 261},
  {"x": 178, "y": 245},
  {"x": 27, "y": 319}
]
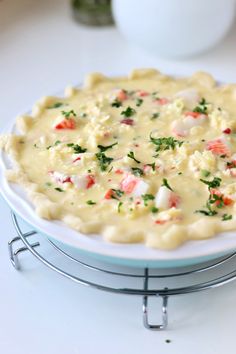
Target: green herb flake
[
  {"x": 68, "y": 114},
  {"x": 59, "y": 189},
  {"x": 105, "y": 148},
  {"x": 208, "y": 212},
  {"x": 147, "y": 198},
  {"x": 83, "y": 115},
  {"x": 55, "y": 144},
  {"x": 152, "y": 165},
  {"x": 137, "y": 171},
  {"x": 91, "y": 202},
  {"x": 56, "y": 105},
  {"x": 166, "y": 184},
  {"x": 116, "y": 103},
  {"x": 154, "y": 210},
  {"x": 119, "y": 207},
  {"x": 226, "y": 217},
  {"x": 180, "y": 173},
  {"x": 165, "y": 143},
  {"x": 131, "y": 156},
  {"x": 48, "y": 184},
  {"x": 117, "y": 193},
  {"x": 214, "y": 198},
  {"x": 139, "y": 102},
  {"x": 77, "y": 148},
  {"x": 104, "y": 161},
  {"x": 128, "y": 112},
  {"x": 202, "y": 107},
  {"x": 36, "y": 146},
  {"x": 212, "y": 184},
  {"x": 155, "y": 115},
  {"x": 205, "y": 173}
]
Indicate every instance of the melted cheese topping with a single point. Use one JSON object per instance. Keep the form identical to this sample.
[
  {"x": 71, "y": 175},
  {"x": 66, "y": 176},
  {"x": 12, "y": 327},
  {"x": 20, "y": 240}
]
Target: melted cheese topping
[{"x": 147, "y": 158}]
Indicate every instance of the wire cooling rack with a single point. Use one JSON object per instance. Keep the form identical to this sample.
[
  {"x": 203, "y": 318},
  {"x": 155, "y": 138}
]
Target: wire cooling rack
[{"x": 142, "y": 282}]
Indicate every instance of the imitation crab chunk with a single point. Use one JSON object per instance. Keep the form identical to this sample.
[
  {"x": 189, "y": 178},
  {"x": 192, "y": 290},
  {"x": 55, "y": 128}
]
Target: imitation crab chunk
[
  {"x": 133, "y": 185},
  {"x": 166, "y": 199},
  {"x": 83, "y": 182}
]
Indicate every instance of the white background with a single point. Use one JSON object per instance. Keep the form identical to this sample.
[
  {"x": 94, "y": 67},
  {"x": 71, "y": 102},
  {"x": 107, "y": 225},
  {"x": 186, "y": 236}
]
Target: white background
[{"x": 42, "y": 50}]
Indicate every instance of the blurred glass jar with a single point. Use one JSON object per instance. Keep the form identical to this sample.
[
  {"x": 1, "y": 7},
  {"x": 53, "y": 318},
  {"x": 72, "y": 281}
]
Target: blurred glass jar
[
  {"x": 174, "y": 28},
  {"x": 92, "y": 12}
]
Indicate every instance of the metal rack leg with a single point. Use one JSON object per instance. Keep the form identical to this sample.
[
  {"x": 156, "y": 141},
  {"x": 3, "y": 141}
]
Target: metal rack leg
[
  {"x": 146, "y": 323},
  {"x": 13, "y": 254}
]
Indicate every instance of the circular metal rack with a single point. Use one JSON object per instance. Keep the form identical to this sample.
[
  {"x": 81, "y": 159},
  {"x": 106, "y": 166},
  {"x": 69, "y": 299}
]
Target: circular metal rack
[{"x": 148, "y": 282}]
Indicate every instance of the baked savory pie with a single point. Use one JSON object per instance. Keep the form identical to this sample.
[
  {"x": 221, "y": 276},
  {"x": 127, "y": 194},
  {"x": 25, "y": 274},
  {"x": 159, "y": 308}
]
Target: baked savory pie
[{"x": 144, "y": 158}]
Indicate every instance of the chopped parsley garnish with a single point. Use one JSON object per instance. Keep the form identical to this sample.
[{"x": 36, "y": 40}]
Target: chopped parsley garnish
[
  {"x": 56, "y": 105},
  {"x": 202, "y": 107},
  {"x": 48, "y": 184},
  {"x": 166, "y": 184},
  {"x": 212, "y": 184},
  {"x": 155, "y": 116},
  {"x": 223, "y": 156},
  {"x": 165, "y": 143},
  {"x": 205, "y": 173},
  {"x": 214, "y": 198},
  {"x": 139, "y": 101},
  {"x": 55, "y": 144},
  {"x": 154, "y": 210},
  {"x": 152, "y": 165},
  {"x": 131, "y": 156},
  {"x": 36, "y": 146},
  {"x": 59, "y": 189},
  {"x": 119, "y": 207},
  {"x": 128, "y": 112},
  {"x": 117, "y": 193},
  {"x": 208, "y": 212},
  {"x": 147, "y": 197},
  {"x": 231, "y": 164},
  {"x": 137, "y": 171},
  {"x": 154, "y": 94},
  {"x": 83, "y": 115},
  {"x": 226, "y": 217},
  {"x": 180, "y": 173},
  {"x": 91, "y": 202},
  {"x": 104, "y": 161},
  {"x": 105, "y": 148},
  {"x": 77, "y": 148},
  {"x": 68, "y": 114},
  {"x": 116, "y": 103}
]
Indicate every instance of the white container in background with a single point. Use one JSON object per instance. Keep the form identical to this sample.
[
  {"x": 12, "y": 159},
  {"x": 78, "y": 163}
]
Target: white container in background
[{"x": 174, "y": 28}]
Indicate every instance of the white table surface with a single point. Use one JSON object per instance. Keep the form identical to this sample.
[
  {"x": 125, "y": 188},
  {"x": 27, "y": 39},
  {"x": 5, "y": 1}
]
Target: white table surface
[{"x": 41, "y": 51}]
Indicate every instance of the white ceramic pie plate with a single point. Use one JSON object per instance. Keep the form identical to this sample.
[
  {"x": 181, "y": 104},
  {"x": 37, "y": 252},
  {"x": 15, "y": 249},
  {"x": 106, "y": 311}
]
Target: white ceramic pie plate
[{"x": 192, "y": 252}]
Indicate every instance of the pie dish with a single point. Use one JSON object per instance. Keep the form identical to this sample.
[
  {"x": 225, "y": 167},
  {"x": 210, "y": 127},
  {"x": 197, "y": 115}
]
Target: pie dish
[{"x": 146, "y": 158}]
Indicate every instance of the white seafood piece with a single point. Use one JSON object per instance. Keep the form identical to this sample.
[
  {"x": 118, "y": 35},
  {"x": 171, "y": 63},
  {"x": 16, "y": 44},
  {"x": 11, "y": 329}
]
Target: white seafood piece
[
  {"x": 42, "y": 139},
  {"x": 59, "y": 177},
  {"x": 133, "y": 185},
  {"x": 181, "y": 127},
  {"x": 80, "y": 182},
  {"x": 189, "y": 96},
  {"x": 166, "y": 199},
  {"x": 140, "y": 188},
  {"x": 162, "y": 197}
]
